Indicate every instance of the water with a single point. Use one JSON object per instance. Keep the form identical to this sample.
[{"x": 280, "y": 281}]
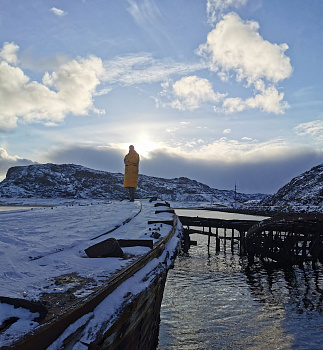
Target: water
[
  {"x": 217, "y": 301},
  {"x": 15, "y": 207}
]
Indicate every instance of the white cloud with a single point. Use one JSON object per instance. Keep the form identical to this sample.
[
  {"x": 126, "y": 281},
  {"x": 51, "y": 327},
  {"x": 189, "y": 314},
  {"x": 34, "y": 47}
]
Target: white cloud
[
  {"x": 247, "y": 139},
  {"x": 192, "y": 91},
  {"x": 313, "y": 129},
  {"x": 216, "y": 7},
  {"x": 58, "y": 12},
  {"x": 268, "y": 100},
  {"x": 227, "y": 131},
  {"x": 235, "y": 45},
  {"x": 5, "y": 156},
  {"x": 8, "y": 53},
  {"x": 102, "y": 92},
  {"x": 7, "y": 161},
  {"x": 68, "y": 90}
]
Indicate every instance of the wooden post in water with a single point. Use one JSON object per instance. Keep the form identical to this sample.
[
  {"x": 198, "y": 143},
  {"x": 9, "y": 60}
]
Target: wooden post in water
[
  {"x": 209, "y": 238},
  {"x": 217, "y": 240},
  {"x": 242, "y": 243},
  {"x": 306, "y": 236},
  {"x": 186, "y": 238},
  {"x": 225, "y": 237}
]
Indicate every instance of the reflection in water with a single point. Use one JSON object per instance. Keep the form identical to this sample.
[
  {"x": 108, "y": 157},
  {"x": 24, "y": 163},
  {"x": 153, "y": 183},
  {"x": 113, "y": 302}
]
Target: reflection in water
[{"x": 218, "y": 301}]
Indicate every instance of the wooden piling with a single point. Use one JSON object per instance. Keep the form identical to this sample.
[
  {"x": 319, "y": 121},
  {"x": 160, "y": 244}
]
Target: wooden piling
[
  {"x": 186, "y": 239},
  {"x": 225, "y": 237},
  {"x": 217, "y": 240},
  {"x": 242, "y": 242},
  {"x": 204, "y": 223},
  {"x": 209, "y": 238}
]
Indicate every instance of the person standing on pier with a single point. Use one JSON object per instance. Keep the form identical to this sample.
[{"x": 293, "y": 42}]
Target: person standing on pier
[{"x": 131, "y": 161}]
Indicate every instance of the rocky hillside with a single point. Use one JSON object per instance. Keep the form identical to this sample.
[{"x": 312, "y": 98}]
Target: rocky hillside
[
  {"x": 75, "y": 181},
  {"x": 305, "y": 190}
]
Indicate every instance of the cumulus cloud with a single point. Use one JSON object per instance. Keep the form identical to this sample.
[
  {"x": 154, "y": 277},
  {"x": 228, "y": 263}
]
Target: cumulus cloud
[
  {"x": 8, "y": 53},
  {"x": 227, "y": 131},
  {"x": 67, "y": 90},
  {"x": 313, "y": 129},
  {"x": 70, "y": 85},
  {"x": 192, "y": 91},
  {"x": 235, "y": 45},
  {"x": 58, "y": 12},
  {"x": 7, "y": 161},
  {"x": 268, "y": 100}
]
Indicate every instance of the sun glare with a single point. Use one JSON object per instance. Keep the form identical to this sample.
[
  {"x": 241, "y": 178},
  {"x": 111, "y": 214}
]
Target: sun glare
[{"x": 145, "y": 146}]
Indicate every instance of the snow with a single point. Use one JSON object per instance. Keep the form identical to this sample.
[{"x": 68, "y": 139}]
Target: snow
[{"x": 39, "y": 244}]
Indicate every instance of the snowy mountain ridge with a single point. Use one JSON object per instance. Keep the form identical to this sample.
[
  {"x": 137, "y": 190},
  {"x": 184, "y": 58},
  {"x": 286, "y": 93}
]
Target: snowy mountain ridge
[
  {"x": 305, "y": 190},
  {"x": 75, "y": 181}
]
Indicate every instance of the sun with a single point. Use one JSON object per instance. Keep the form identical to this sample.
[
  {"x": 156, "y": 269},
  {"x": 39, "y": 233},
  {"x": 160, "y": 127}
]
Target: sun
[{"x": 145, "y": 146}]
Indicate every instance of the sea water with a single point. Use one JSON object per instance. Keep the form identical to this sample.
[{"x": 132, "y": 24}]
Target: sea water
[{"x": 216, "y": 300}]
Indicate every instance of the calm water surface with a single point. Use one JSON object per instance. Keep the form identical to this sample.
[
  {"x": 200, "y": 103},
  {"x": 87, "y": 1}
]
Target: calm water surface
[
  {"x": 217, "y": 301},
  {"x": 15, "y": 207}
]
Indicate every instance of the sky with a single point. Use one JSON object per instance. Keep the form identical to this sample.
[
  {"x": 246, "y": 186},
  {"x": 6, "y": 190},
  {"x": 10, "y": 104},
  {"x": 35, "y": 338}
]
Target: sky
[{"x": 225, "y": 92}]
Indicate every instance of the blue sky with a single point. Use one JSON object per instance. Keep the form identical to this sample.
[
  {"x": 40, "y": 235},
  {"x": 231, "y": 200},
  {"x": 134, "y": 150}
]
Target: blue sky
[{"x": 221, "y": 91}]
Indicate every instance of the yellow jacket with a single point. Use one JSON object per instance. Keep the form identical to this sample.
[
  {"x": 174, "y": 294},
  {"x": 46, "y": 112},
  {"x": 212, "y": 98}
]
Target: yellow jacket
[{"x": 131, "y": 161}]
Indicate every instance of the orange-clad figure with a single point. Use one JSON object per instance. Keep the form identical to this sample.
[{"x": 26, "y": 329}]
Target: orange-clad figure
[{"x": 131, "y": 161}]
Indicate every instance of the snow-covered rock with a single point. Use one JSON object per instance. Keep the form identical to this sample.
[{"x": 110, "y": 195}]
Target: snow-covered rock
[{"x": 305, "y": 190}]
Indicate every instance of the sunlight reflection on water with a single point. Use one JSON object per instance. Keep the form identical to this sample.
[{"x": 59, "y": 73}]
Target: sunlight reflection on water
[{"x": 15, "y": 207}]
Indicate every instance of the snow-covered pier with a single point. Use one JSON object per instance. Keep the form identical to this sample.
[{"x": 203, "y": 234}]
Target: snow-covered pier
[{"x": 55, "y": 296}]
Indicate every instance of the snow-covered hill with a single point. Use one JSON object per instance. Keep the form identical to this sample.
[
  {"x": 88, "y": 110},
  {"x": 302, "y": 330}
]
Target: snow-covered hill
[
  {"x": 305, "y": 190},
  {"x": 75, "y": 181}
]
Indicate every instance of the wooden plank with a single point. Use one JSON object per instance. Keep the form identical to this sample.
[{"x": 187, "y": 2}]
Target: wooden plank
[
  {"x": 136, "y": 243},
  {"x": 166, "y": 222}
]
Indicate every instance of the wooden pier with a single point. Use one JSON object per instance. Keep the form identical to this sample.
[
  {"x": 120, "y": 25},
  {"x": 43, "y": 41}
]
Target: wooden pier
[
  {"x": 288, "y": 239},
  {"x": 233, "y": 231}
]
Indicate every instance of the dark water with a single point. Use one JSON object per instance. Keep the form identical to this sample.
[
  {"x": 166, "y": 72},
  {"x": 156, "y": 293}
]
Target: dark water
[{"x": 217, "y": 301}]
